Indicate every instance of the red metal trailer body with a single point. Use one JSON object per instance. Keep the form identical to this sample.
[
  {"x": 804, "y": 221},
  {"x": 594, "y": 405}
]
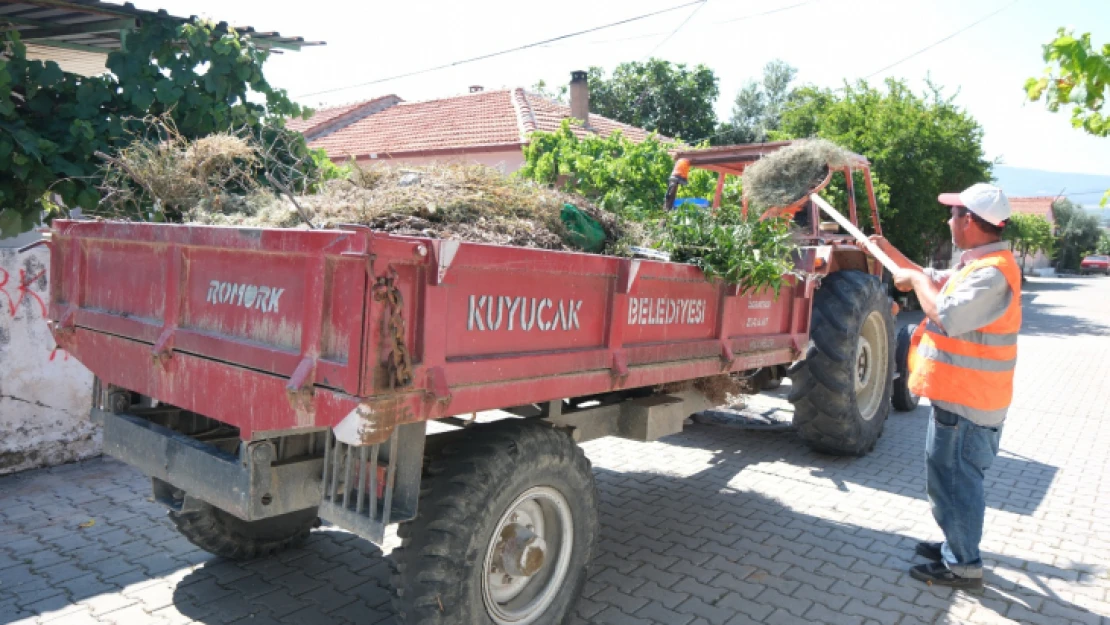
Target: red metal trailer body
[{"x": 285, "y": 330}]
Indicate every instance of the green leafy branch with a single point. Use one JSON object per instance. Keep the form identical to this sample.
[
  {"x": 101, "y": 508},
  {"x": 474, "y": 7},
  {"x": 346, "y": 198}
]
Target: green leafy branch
[
  {"x": 1078, "y": 75},
  {"x": 755, "y": 254},
  {"x": 206, "y": 78}
]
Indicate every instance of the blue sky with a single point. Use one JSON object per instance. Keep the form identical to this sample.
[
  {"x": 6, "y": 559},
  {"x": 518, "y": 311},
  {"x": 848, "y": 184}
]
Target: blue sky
[{"x": 829, "y": 41}]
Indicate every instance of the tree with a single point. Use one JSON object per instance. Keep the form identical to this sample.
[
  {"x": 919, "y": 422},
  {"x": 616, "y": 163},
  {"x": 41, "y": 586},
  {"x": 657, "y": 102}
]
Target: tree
[
  {"x": 629, "y": 179},
  {"x": 1029, "y": 234},
  {"x": 658, "y": 95},
  {"x": 920, "y": 145},
  {"x": 1077, "y": 234},
  {"x": 1103, "y": 244},
  {"x": 1078, "y": 75},
  {"x": 555, "y": 95},
  {"x": 757, "y": 109},
  {"x": 205, "y": 78},
  {"x": 620, "y": 175}
]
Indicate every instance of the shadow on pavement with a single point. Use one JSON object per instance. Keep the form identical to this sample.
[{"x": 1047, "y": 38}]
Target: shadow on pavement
[
  {"x": 697, "y": 531},
  {"x": 731, "y": 545},
  {"x": 782, "y": 548},
  {"x": 335, "y": 577},
  {"x": 1014, "y": 483},
  {"x": 1038, "y": 319},
  {"x": 1043, "y": 320},
  {"x": 700, "y": 535},
  {"x": 1035, "y": 285}
]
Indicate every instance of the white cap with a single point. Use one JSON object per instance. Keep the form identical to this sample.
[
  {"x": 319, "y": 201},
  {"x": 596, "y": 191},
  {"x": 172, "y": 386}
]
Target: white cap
[{"x": 985, "y": 200}]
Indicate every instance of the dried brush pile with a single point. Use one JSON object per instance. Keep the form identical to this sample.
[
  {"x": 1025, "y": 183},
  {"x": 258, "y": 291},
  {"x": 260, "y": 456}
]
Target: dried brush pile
[
  {"x": 177, "y": 173},
  {"x": 787, "y": 175},
  {"x": 450, "y": 201},
  {"x": 721, "y": 390},
  {"x": 162, "y": 175},
  {"x": 243, "y": 179}
]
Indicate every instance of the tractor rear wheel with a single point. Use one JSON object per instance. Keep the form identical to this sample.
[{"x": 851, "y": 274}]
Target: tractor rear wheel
[{"x": 841, "y": 391}]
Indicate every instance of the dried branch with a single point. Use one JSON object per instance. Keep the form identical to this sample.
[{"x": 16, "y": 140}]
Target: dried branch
[{"x": 292, "y": 198}]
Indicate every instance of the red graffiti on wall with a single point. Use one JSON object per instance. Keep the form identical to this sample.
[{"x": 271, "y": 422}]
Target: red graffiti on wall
[{"x": 23, "y": 291}]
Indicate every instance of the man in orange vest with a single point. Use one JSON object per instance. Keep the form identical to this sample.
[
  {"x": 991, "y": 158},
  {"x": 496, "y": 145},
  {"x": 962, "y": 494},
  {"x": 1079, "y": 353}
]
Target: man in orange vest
[{"x": 962, "y": 359}]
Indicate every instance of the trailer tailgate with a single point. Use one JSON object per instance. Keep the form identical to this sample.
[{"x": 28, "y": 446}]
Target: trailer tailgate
[{"x": 265, "y": 300}]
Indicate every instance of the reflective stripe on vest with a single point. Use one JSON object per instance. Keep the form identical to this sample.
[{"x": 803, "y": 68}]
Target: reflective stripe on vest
[{"x": 972, "y": 372}]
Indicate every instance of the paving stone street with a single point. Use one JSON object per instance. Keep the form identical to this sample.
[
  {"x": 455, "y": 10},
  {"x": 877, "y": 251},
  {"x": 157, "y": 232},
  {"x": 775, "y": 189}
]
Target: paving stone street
[{"x": 712, "y": 526}]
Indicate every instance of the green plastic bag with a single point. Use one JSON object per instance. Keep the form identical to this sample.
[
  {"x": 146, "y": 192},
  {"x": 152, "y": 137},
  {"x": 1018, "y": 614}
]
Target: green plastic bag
[{"x": 584, "y": 232}]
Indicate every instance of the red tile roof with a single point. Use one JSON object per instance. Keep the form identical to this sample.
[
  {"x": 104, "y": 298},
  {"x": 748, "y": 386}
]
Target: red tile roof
[
  {"x": 1033, "y": 206},
  {"x": 471, "y": 122},
  {"x": 337, "y": 115},
  {"x": 321, "y": 117},
  {"x": 481, "y": 119},
  {"x": 549, "y": 116}
]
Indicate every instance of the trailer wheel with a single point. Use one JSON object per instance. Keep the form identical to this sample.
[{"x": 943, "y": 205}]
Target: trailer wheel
[
  {"x": 902, "y": 397},
  {"x": 506, "y": 527},
  {"x": 226, "y": 535},
  {"x": 841, "y": 391}
]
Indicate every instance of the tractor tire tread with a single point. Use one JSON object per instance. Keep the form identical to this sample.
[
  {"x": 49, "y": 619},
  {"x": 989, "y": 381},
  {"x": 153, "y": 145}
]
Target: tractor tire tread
[{"x": 823, "y": 392}]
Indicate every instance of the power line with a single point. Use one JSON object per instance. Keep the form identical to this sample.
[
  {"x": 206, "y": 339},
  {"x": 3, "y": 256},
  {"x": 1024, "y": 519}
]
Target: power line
[
  {"x": 713, "y": 25},
  {"x": 597, "y": 42},
  {"x": 647, "y": 87},
  {"x": 771, "y": 12},
  {"x": 508, "y": 51},
  {"x": 742, "y": 18},
  {"x": 701, "y": 5},
  {"x": 937, "y": 43},
  {"x": 894, "y": 64}
]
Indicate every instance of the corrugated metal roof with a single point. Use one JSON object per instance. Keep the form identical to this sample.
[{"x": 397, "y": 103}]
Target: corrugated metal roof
[
  {"x": 71, "y": 61},
  {"x": 90, "y": 28}
]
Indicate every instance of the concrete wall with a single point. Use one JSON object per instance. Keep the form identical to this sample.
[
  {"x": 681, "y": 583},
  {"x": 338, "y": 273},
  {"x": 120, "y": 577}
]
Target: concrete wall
[{"x": 45, "y": 394}]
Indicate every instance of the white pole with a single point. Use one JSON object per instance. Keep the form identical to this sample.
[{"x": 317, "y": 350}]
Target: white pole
[{"x": 855, "y": 232}]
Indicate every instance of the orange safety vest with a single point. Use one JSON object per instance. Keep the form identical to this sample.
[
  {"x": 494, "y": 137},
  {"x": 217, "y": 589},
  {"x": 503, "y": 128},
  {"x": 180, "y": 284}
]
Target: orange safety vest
[{"x": 974, "y": 371}]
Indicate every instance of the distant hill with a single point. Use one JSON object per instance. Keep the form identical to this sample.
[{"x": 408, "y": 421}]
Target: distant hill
[{"x": 1083, "y": 189}]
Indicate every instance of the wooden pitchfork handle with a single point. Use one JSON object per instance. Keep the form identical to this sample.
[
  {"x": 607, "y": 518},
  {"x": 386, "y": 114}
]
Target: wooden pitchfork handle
[{"x": 855, "y": 232}]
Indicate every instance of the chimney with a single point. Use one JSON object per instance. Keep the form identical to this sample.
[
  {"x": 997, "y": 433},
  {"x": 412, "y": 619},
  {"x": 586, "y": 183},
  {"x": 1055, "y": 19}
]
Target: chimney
[
  {"x": 580, "y": 97},
  {"x": 475, "y": 88}
]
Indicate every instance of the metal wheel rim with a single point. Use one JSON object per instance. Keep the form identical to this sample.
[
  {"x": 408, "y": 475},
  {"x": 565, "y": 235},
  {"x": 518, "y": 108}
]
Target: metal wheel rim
[
  {"x": 871, "y": 355},
  {"x": 523, "y": 600}
]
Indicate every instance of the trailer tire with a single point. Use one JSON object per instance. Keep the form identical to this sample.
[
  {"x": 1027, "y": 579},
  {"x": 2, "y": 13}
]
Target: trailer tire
[
  {"x": 841, "y": 391},
  {"x": 903, "y": 399},
  {"x": 477, "y": 491},
  {"x": 226, "y": 535}
]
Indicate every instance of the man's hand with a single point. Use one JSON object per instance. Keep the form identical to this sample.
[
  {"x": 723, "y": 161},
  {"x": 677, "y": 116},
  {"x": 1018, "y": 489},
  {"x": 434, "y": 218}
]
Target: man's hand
[
  {"x": 879, "y": 241},
  {"x": 898, "y": 257},
  {"x": 904, "y": 278},
  {"x": 923, "y": 286}
]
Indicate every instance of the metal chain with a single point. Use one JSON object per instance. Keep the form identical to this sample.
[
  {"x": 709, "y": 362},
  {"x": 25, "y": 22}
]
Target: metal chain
[{"x": 398, "y": 363}]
